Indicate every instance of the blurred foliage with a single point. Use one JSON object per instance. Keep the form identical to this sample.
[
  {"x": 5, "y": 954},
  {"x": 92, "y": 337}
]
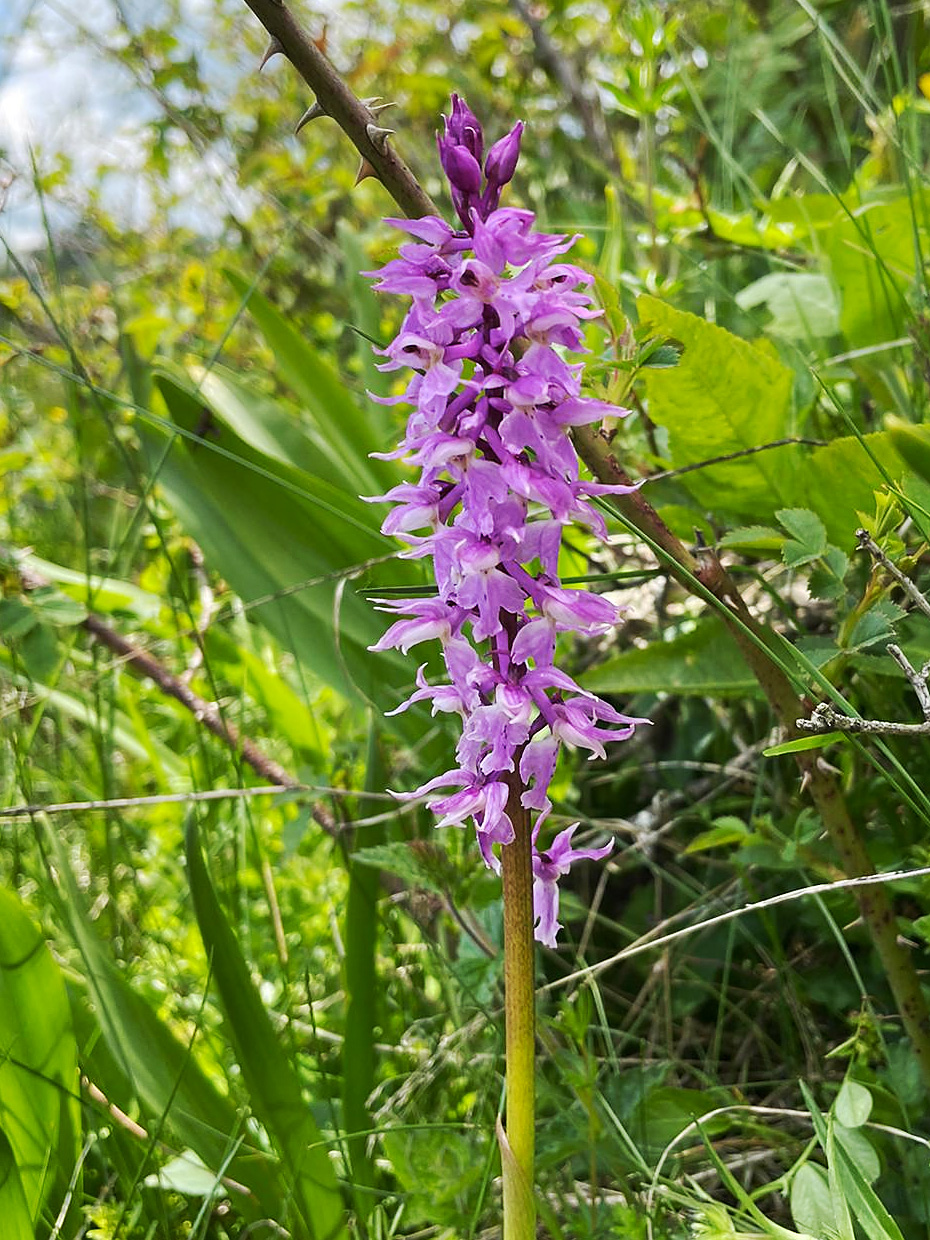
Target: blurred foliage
[{"x": 184, "y": 350}]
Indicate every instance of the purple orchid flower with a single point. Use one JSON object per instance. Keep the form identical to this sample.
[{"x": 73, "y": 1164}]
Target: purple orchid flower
[{"x": 493, "y": 308}]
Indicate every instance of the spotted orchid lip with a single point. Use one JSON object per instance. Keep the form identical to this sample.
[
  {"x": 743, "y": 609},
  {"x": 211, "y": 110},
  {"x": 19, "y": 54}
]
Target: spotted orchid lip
[{"x": 493, "y": 403}]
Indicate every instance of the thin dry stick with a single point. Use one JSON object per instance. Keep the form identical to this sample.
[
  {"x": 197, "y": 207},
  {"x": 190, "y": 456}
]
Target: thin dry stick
[{"x": 874, "y": 903}]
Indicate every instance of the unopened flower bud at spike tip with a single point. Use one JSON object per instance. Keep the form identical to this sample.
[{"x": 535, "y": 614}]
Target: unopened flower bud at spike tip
[
  {"x": 501, "y": 162},
  {"x": 312, "y": 113}
]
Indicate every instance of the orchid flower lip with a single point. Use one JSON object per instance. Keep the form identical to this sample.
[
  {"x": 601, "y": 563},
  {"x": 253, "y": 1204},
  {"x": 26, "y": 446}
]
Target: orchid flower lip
[{"x": 496, "y": 311}]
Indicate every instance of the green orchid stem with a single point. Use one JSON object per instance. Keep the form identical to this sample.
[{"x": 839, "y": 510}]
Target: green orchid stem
[{"x": 518, "y": 1144}]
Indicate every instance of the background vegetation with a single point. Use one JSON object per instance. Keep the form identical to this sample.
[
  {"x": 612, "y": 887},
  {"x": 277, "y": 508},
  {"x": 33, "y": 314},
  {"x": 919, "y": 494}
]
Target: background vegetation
[{"x": 256, "y": 1008}]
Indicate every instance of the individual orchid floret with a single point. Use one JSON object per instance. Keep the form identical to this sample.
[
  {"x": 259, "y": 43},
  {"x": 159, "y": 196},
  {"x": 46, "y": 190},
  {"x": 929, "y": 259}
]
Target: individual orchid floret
[{"x": 494, "y": 308}]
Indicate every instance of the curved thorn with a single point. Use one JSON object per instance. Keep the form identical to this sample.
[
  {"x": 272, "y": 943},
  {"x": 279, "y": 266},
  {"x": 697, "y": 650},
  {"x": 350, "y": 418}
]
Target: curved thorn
[
  {"x": 365, "y": 170},
  {"x": 274, "y": 47},
  {"x": 311, "y": 114},
  {"x": 378, "y": 136},
  {"x": 374, "y": 107}
]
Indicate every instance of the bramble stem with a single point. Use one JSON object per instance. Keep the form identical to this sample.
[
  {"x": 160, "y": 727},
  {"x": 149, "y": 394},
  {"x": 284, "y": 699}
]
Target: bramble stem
[{"x": 517, "y": 1147}]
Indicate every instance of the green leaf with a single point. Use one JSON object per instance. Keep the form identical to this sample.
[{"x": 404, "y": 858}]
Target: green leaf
[
  {"x": 876, "y": 626},
  {"x": 56, "y": 608},
  {"x": 286, "y": 527},
  {"x": 38, "y": 651},
  {"x": 809, "y": 536},
  {"x": 704, "y": 661},
  {"x": 802, "y": 305},
  {"x": 803, "y": 743},
  {"x": 827, "y": 580},
  {"x": 39, "y": 1104},
  {"x": 274, "y": 1088},
  {"x": 360, "y": 934},
  {"x": 873, "y": 1218},
  {"x": 105, "y": 594},
  {"x": 811, "y": 1205},
  {"x": 761, "y": 538},
  {"x": 724, "y": 395},
  {"x": 726, "y": 830},
  {"x": 322, "y": 392},
  {"x": 17, "y": 1224},
  {"x": 16, "y": 618},
  {"x": 187, "y": 1174},
  {"x": 860, "y": 1149},
  {"x": 853, "y": 1104},
  {"x": 409, "y": 861}
]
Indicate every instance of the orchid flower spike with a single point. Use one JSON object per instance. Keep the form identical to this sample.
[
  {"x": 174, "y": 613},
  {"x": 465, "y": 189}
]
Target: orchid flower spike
[{"x": 494, "y": 305}]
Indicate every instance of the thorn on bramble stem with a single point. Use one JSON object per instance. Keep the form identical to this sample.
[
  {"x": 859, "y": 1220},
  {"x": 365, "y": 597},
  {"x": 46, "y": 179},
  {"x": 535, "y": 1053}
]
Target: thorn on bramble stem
[
  {"x": 365, "y": 170},
  {"x": 374, "y": 104},
  {"x": 378, "y": 136},
  {"x": 311, "y": 114},
  {"x": 274, "y": 47}
]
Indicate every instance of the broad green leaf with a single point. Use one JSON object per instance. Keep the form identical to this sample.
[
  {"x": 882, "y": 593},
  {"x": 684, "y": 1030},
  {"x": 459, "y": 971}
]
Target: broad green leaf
[
  {"x": 57, "y": 608},
  {"x": 267, "y": 527},
  {"x": 704, "y": 661},
  {"x": 187, "y": 1174},
  {"x": 853, "y": 1104},
  {"x": 802, "y": 305},
  {"x": 860, "y": 1150},
  {"x": 17, "y": 1225},
  {"x": 274, "y": 1087},
  {"x": 839, "y": 481},
  {"x": 269, "y": 427},
  {"x": 39, "y": 1107},
  {"x": 811, "y": 1205},
  {"x": 876, "y": 626},
  {"x": 872, "y": 262},
  {"x": 724, "y": 395},
  {"x": 322, "y": 393}
]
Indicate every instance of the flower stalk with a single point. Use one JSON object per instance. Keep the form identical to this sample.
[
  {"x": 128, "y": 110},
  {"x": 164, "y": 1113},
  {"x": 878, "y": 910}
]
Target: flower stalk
[{"x": 518, "y": 1141}]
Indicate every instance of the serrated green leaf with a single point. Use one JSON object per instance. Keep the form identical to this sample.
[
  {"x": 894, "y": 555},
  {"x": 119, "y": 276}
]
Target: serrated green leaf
[
  {"x": 875, "y": 626},
  {"x": 808, "y": 536},
  {"x": 416, "y": 863},
  {"x": 724, "y": 395},
  {"x": 827, "y": 580},
  {"x": 753, "y": 538}
]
